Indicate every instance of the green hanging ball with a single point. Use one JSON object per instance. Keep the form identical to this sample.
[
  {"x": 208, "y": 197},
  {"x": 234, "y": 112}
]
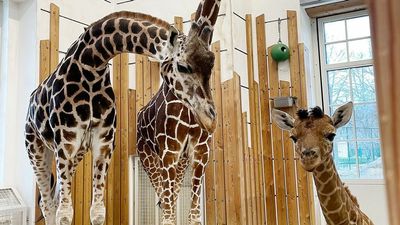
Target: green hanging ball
[{"x": 280, "y": 52}]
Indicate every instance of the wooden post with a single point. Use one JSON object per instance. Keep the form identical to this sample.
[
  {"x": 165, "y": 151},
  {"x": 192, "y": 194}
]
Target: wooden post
[
  {"x": 44, "y": 71},
  {"x": 124, "y": 142},
  {"x": 54, "y": 35},
  {"x": 218, "y": 139},
  {"x": 233, "y": 142},
  {"x": 384, "y": 20},
  {"x": 302, "y": 176},
  {"x": 132, "y": 122},
  {"x": 248, "y": 181},
  {"x": 277, "y": 147},
  {"x": 269, "y": 198},
  {"x": 290, "y": 170},
  {"x": 178, "y": 22}
]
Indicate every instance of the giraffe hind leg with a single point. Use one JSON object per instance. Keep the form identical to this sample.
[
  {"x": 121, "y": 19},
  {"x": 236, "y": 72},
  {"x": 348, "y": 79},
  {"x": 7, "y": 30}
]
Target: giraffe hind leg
[{"x": 41, "y": 159}]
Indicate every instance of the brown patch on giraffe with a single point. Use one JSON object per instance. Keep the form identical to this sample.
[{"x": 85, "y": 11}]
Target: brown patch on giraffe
[
  {"x": 105, "y": 150},
  {"x": 69, "y": 148},
  {"x": 69, "y": 135},
  {"x": 173, "y": 144}
]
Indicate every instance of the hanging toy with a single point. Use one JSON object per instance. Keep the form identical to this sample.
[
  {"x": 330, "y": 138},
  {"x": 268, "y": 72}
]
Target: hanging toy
[{"x": 280, "y": 52}]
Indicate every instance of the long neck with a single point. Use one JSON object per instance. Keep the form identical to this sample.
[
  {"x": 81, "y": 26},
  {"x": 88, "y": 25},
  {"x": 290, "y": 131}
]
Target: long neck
[
  {"x": 207, "y": 12},
  {"x": 125, "y": 32},
  {"x": 335, "y": 200}
]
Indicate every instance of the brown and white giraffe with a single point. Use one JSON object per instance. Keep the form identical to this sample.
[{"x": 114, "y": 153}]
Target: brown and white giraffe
[
  {"x": 313, "y": 133},
  {"x": 74, "y": 108},
  {"x": 175, "y": 127}
]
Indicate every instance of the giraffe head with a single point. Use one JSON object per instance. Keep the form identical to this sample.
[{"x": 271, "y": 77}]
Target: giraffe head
[
  {"x": 313, "y": 132},
  {"x": 187, "y": 72}
]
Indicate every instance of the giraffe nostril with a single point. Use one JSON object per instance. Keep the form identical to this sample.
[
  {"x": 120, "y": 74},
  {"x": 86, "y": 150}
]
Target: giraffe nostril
[
  {"x": 212, "y": 113},
  {"x": 309, "y": 153}
]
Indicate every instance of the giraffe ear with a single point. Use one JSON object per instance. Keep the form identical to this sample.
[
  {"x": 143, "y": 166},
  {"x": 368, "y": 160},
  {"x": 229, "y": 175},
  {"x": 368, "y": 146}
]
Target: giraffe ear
[
  {"x": 282, "y": 119},
  {"x": 342, "y": 115},
  {"x": 173, "y": 35}
]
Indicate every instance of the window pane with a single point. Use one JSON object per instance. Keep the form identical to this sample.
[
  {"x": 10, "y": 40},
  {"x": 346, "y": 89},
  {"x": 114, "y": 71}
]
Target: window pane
[
  {"x": 343, "y": 133},
  {"x": 338, "y": 86},
  {"x": 366, "y": 119},
  {"x": 344, "y": 155},
  {"x": 363, "y": 84},
  {"x": 360, "y": 49},
  {"x": 369, "y": 157},
  {"x": 336, "y": 53},
  {"x": 335, "y": 31},
  {"x": 358, "y": 27}
]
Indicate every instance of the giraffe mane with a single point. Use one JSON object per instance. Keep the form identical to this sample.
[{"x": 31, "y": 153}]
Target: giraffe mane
[
  {"x": 133, "y": 15},
  {"x": 351, "y": 196}
]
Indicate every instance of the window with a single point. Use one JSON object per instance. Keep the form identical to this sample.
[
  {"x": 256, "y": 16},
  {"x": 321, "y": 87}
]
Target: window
[{"x": 348, "y": 75}]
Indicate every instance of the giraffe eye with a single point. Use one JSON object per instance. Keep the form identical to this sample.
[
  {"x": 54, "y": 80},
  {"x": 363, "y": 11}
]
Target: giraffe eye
[
  {"x": 330, "y": 136},
  {"x": 293, "y": 138},
  {"x": 184, "y": 69}
]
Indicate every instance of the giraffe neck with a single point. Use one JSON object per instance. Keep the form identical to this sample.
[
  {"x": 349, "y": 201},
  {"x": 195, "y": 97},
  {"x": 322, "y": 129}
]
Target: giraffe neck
[
  {"x": 125, "y": 32},
  {"x": 334, "y": 199}
]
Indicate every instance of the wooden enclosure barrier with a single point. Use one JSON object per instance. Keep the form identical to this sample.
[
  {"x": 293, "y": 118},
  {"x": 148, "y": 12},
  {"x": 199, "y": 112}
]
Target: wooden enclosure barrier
[{"x": 386, "y": 44}]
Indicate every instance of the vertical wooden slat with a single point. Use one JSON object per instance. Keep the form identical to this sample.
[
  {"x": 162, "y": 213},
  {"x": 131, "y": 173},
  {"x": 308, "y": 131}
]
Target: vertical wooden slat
[
  {"x": 233, "y": 142},
  {"x": 218, "y": 138},
  {"x": 259, "y": 152},
  {"x": 146, "y": 80},
  {"x": 296, "y": 91},
  {"x": 265, "y": 118},
  {"x": 139, "y": 82},
  {"x": 277, "y": 148},
  {"x": 87, "y": 189},
  {"x": 132, "y": 122},
  {"x": 78, "y": 201},
  {"x": 384, "y": 20},
  {"x": 155, "y": 77},
  {"x": 290, "y": 165},
  {"x": 54, "y": 35},
  {"x": 44, "y": 71},
  {"x": 124, "y": 117},
  {"x": 178, "y": 22},
  {"x": 246, "y": 161},
  {"x": 304, "y": 104}
]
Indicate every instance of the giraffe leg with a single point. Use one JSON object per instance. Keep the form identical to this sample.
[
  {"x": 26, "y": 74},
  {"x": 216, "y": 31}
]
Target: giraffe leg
[
  {"x": 41, "y": 160},
  {"x": 151, "y": 164},
  {"x": 180, "y": 173},
  {"x": 168, "y": 173},
  {"x": 101, "y": 160},
  {"x": 199, "y": 163}
]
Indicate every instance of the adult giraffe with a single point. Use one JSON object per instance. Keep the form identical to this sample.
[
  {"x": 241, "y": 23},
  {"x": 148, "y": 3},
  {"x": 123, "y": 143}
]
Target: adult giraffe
[
  {"x": 313, "y": 133},
  {"x": 175, "y": 127},
  {"x": 74, "y": 108}
]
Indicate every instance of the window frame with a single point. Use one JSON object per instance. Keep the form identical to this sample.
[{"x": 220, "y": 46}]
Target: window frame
[{"x": 324, "y": 68}]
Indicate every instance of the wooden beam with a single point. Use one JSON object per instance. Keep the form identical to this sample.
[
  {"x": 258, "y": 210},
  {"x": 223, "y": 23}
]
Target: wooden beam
[
  {"x": 124, "y": 118},
  {"x": 87, "y": 189},
  {"x": 385, "y": 30},
  {"x": 44, "y": 71},
  {"x": 54, "y": 35},
  {"x": 269, "y": 183},
  {"x": 247, "y": 191},
  {"x": 116, "y": 164},
  {"x": 336, "y": 8},
  {"x": 290, "y": 169},
  {"x": 178, "y": 22},
  {"x": 233, "y": 142},
  {"x": 139, "y": 83},
  {"x": 303, "y": 180},
  {"x": 132, "y": 122}
]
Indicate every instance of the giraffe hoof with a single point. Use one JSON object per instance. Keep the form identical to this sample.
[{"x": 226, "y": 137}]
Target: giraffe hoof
[
  {"x": 97, "y": 214},
  {"x": 65, "y": 220},
  {"x": 98, "y": 220}
]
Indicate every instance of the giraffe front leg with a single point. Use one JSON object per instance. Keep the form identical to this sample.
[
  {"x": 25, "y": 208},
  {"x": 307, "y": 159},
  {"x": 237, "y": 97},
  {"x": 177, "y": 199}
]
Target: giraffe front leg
[
  {"x": 101, "y": 161},
  {"x": 65, "y": 168},
  {"x": 168, "y": 173},
  {"x": 199, "y": 163}
]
